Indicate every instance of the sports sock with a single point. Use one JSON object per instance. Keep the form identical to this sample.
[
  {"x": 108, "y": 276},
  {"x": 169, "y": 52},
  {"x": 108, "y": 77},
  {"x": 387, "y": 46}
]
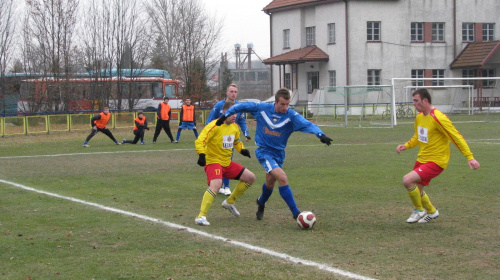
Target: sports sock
[
  {"x": 266, "y": 193},
  {"x": 238, "y": 191},
  {"x": 426, "y": 203},
  {"x": 178, "y": 135},
  {"x": 206, "y": 203},
  {"x": 287, "y": 195},
  {"x": 225, "y": 182},
  {"x": 195, "y": 133},
  {"x": 414, "y": 194}
]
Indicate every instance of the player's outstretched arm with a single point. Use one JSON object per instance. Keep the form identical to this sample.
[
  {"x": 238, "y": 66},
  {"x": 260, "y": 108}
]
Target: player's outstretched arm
[{"x": 221, "y": 120}]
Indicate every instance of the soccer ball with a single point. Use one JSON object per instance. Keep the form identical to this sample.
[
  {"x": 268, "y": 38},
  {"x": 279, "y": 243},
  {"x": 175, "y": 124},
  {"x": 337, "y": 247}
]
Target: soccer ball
[{"x": 306, "y": 220}]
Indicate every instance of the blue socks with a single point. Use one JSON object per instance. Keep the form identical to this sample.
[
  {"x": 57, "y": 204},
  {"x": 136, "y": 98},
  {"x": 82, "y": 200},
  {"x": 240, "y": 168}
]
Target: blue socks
[{"x": 287, "y": 195}]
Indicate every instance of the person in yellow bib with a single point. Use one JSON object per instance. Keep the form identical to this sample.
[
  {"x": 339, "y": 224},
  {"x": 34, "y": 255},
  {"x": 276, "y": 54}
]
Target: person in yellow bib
[
  {"x": 215, "y": 148},
  {"x": 188, "y": 119},
  {"x": 99, "y": 123},
  {"x": 433, "y": 133}
]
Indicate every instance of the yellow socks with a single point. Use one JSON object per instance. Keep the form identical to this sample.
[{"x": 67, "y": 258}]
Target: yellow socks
[
  {"x": 238, "y": 191},
  {"x": 206, "y": 203},
  {"x": 415, "y": 197},
  {"x": 427, "y": 203}
]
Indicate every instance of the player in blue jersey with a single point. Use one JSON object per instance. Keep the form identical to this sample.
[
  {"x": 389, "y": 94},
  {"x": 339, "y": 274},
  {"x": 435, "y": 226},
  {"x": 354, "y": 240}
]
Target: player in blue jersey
[
  {"x": 216, "y": 112},
  {"x": 275, "y": 123}
]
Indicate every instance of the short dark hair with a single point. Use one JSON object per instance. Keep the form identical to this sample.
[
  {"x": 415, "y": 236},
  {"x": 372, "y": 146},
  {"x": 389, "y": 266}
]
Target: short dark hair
[
  {"x": 282, "y": 92},
  {"x": 227, "y": 105},
  {"x": 165, "y": 98},
  {"x": 424, "y": 93}
]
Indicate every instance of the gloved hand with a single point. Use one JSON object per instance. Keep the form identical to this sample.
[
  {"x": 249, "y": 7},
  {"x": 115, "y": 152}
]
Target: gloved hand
[
  {"x": 246, "y": 153},
  {"x": 201, "y": 160},
  {"x": 325, "y": 139},
  {"x": 248, "y": 138},
  {"x": 220, "y": 120}
]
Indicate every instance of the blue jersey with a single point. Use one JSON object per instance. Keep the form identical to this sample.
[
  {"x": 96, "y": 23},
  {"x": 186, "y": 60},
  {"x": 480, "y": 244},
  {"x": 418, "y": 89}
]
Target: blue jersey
[
  {"x": 216, "y": 113},
  {"x": 274, "y": 129}
]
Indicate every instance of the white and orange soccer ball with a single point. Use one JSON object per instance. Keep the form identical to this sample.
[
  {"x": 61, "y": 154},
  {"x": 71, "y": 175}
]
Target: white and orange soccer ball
[{"x": 306, "y": 220}]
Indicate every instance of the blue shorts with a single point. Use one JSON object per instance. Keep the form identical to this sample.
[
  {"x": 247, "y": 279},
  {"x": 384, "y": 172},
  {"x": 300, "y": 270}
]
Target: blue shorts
[
  {"x": 270, "y": 159},
  {"x": 187, "y": 125}
]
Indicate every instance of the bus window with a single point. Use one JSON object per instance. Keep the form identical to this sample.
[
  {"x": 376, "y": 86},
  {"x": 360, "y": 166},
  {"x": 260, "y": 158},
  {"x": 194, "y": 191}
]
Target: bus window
[
  {"x": 169, "y": 91},
  {"x": 157, "y": 90}
]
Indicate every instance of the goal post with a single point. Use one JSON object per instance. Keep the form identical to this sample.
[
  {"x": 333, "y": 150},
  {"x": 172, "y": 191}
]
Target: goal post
[{"x": 474, "y": 99}]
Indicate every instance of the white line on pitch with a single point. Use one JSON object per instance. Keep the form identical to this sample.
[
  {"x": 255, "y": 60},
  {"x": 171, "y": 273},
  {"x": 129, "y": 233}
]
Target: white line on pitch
[{"x": 204, "y": 234}]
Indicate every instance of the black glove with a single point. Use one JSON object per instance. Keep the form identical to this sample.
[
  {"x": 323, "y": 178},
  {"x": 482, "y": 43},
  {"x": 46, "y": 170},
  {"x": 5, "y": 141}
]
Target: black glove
[
  {"x": 248, "y": 137},
  {"x": 325, "y": 139},
  {"x": 201, "y": 160},
  {"x": 246, "y": 153},
  {"x": 220, "y": 120}
]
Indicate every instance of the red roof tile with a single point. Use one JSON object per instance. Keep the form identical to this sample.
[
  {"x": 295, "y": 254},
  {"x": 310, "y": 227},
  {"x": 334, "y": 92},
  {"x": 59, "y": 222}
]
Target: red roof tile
[
  {"x": 475, "y": 55},
  {"x": 307, "y": 54}
]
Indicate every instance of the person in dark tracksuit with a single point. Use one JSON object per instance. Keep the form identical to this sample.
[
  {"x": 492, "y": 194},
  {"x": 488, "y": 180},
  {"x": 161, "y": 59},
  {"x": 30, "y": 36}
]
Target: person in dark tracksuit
[
  {"x": 163, "y": 115},
  {"x": 99, "y": 124},
  {"x": 140, "y": 124}
]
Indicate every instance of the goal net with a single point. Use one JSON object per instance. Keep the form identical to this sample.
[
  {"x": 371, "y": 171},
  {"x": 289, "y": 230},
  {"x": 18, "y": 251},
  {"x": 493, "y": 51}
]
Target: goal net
[
  {"x": 352, "y": 106},
  {"x": 461, "y": 99}
]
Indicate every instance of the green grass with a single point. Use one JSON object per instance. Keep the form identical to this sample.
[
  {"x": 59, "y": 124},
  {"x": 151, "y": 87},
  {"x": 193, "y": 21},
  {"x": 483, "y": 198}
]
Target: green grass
[{"x": 354, "y": 188}]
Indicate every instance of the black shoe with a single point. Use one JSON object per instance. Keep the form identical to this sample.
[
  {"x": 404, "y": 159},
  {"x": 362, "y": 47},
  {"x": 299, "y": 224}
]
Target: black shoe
[
  {"x": 296, "y": 216},
  {"x": 260, "y": 211}
]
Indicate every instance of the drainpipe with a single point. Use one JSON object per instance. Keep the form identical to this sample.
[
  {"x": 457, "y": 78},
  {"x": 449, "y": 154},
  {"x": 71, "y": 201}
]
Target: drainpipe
[
  {"x": 346, "y": 44},
  {"x": 454, "y": 29}
]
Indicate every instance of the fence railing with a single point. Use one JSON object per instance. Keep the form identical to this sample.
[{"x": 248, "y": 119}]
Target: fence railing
[{"x": 37, "y": 124}]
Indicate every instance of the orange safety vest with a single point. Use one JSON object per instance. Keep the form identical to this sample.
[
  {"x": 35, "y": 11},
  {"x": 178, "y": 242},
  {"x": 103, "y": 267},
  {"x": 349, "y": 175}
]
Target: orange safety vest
[
  {"x": 141, "y": 122},
  {"x": 187, "y": 113},
  {"x": 164, "y": 110},
  {"x": 103, "y": 121}
]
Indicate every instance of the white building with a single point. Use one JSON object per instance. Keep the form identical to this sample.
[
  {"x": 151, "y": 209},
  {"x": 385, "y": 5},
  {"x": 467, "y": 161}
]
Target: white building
[{"x": 318, "y": 43}]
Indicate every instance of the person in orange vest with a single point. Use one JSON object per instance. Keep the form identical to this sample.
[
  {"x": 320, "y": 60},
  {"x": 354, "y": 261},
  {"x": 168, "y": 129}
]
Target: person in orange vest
[
  {"x": 100, "y": 123},
  {"x": 163, "y": 114},
  {"x": 188, "y": 119},
  {"x": 141, "y": 124}
]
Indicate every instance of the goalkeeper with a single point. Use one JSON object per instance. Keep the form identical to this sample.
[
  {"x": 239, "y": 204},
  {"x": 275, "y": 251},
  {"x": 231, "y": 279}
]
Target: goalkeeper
[
  {"x": 215, "y": 146},
  {"x": 275, "y": 123}
]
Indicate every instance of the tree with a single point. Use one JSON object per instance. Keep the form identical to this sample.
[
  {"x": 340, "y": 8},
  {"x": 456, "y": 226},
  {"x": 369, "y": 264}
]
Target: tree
[
  {"x": 7, "y": 28},
  {"x": 49, "y": 30}
]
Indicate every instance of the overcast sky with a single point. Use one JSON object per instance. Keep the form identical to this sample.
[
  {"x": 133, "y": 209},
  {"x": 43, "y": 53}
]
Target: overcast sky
[{"x": 244, "y": 22}]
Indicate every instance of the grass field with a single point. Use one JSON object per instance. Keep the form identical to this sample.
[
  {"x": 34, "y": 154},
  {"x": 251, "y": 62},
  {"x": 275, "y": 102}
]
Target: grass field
[{"x": 127, "y": 212}]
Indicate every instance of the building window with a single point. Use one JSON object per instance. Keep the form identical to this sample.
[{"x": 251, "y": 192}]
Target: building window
[
  {"x": 286, "y": 38},
  {"x": 438, "y": 32},
  {"x": 373, "y": 77},
  {"x": 331, "y": 33},
  {"x": 438, "y": 73},
  {"x": 468, "y": 73},
  {"x": 288, "y": 81},
  {"x": 417, "y": 74},
  {"x": 488, "y": 73},
  {"x": 417, "y": 31},
  {"x": 467, "y": 32},
  {"x": 332, "y": 80},
  {"x": 310, "y": 36},
  {"x": 373, "y": 31},
  {"x": 488, "y": 32}
]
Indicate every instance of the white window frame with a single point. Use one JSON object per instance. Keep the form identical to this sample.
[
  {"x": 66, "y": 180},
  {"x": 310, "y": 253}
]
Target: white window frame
[
  {"x": 488, "y": 32},
  {"x": 488, "y": 72},
  {"x": 311, "y": 36},
  {"x": 438, "y": 32},
  {"x": 332, "y": 80},
  {"x": 286, "y": 38},
  {"x": 438, "y": 73},
  {"x": 467, "y": 32},
  {"x": 416, "y": 74},
  {"x": 331, "y": 33},
  {"x": 373, "y": 31},
  {"x": 417, "y": 32},
  {"x": 373, "y": 77},
  {"x": 468, "y": 73}
]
